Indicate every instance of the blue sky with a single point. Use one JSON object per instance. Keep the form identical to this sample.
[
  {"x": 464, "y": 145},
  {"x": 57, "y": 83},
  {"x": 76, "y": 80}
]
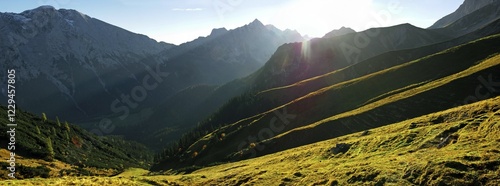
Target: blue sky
[{"x": 178, "y": 21}]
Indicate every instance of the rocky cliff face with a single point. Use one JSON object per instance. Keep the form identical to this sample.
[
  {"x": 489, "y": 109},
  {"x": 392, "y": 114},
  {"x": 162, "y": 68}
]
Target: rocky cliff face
[
  {"x": 467, "y": 7},
  {"x": 63, "y": 58},
  {"x": 227, "y": 55},
  {"x": 55, "y": 34}
]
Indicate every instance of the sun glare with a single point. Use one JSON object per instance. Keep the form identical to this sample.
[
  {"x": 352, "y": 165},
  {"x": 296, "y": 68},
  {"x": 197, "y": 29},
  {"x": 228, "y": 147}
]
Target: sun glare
[
  {"x": 317, "y": 17},
  {"x": 306, "y": 50}
]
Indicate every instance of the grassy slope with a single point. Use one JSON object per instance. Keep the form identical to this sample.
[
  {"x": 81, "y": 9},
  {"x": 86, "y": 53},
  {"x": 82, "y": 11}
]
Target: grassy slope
[
  {"x": 27, "y": 167},
  {"x": 298, "y": 61},
  {"x": 394, "y": 95},
  {"x": 403, "y": 153},
  {"x": 288, "y": 93},
  {"x": 269, "y": 99},
  {"x": 78, "y": 149},
  {"x": 282, "y": 95},
  {"x": 408, "y": 102}
]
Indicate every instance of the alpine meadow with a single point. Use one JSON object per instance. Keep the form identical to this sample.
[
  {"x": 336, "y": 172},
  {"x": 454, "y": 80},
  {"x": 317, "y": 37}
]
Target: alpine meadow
[{"x": 337, "y": 92}]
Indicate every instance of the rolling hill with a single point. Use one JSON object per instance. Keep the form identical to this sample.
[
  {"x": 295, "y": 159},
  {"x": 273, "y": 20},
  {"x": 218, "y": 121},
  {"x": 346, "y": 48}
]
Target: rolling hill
[
  {"x": 254, "y": 100},
  {"x": 395, "y": 94},
  {"x": 284, "y": 94},
  {"x": 220, "y": 106},
  {"x": 458, "y": 146}
]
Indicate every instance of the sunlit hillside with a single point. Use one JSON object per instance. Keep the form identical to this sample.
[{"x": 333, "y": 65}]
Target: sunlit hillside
[
  {"x": 459, "y": 146},
  {"x": 296, "y": 92}
]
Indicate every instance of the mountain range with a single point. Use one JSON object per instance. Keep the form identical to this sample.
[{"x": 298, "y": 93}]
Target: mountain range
[
  {"x": 85, "y": 69},
  {"x": 306, "y": 85},
  {"x": 466, "y": 8},
  {"x": 393, "y": 105}
]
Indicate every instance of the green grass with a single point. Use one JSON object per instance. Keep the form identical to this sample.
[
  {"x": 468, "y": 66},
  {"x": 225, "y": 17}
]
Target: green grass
[
  {"x": 396, "y": 150},
  {"x": 72, "y": 146},
  {"x": 416, "y": 88},
  {"x": 403, "y": 153},
  {"x": 268, "y": 99}
]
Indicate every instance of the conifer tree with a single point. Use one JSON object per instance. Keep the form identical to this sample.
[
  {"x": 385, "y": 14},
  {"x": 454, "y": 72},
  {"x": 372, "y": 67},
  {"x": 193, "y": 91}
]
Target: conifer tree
[
  {"x": 58, "y": 122},
  {"x": 50, "y": 150},
  {"x": 67, "y": 135},
  {"x": 44, "y": 117},
  {"x": 66, "y": 125}
]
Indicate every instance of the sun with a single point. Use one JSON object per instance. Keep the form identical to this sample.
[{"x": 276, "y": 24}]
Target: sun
[{"x": 317, "y": 17}]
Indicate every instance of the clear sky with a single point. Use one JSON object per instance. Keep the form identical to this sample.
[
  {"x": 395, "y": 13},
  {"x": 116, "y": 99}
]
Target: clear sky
[{"x": 178, "y": 21}]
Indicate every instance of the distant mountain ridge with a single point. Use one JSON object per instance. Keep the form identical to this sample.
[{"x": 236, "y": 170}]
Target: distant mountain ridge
[
  {"x": 210, "y": 61},
  {"x": 64, "y": 31},
  {"x": 290, "y": 64},
  {"x": 341, "y": 109},
  {"x": 467, "y": 7},
  {"x": 329, "y": 97},
  {"x": 68, "y": 57},
  {"x": 474, "y": 21},
  {"x": 84, "y": 68},
  {"x": 226, "y": 55},
  {"x": 339, "y": 32}
]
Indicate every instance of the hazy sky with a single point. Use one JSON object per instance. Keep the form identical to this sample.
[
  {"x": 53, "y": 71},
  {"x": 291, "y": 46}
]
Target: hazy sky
[{"x": 178, "y": 21}]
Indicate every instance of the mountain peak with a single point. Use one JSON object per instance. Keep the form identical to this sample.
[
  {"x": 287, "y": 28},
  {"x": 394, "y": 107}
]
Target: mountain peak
[
  {"x": 44, "y": 11},
  {"x": 256, "y": 22},
  {"x": 339, "y": 32},
  {"x": 50, "y": 10},
  {"x": 45, "y": 7},
  {"x": 466, "y": 8},
  {"x": 218, "y": 31},
  {"x": 404, "y": 27}
]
